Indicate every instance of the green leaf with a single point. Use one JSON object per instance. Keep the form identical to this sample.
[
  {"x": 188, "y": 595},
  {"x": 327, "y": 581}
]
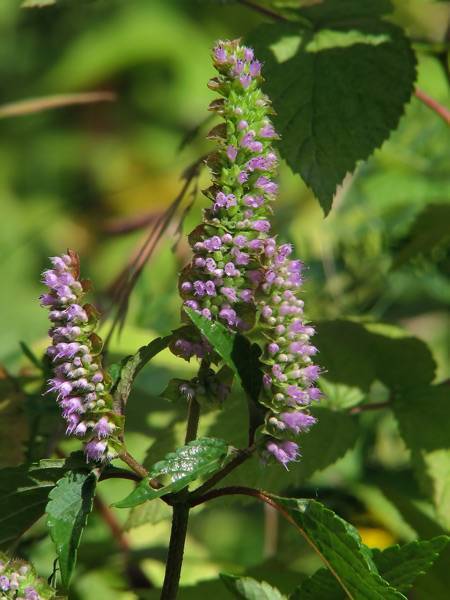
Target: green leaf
[
  {"x": 24, "y": 492},
  {"x": 344, "y": 11},
  {"x": 197, "y": 459},
  {"x": 373, "y": 352},
  {"x": 401, "y": 565},
  {"x": 339, "y": 545},
  {"x": 398, "y": 565},
  {"x": 235, "y": 350},
  {"x": 428, "y": 236},
  {"x": 330, "y": 439},
  {"x": 250, "y": 589},
  {"x": 352, "y": 61},
  {"x": 433, "y": 471},
  {"x": 149, "y": 513},
  {"x": 423, "y": 415},
  {"x": 132, "y": 365},
  {"x": 70, "y": 503}
]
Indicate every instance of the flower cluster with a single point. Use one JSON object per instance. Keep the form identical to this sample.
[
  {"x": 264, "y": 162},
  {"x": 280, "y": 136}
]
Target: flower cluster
[
  {"x": 79, "y": 381},
  {"x": 238, "y": 274},
  {"x": 290, "y": 375},
  {"x": 19, "y": 581}
]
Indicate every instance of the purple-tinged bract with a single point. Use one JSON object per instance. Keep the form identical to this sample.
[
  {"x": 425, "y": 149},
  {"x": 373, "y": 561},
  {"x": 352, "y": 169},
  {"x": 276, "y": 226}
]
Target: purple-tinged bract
[{"x": 81, "y": 386}]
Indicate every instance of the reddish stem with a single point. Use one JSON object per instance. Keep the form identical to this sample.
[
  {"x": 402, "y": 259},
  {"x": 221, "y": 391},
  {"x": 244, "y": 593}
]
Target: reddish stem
[{"x": 440, "y": 110}]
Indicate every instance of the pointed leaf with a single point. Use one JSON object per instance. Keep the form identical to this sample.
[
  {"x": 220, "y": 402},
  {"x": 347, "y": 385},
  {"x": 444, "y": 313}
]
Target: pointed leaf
[
  {"x": 197, "y": 459},
  {"x": 67, "y": 512}
]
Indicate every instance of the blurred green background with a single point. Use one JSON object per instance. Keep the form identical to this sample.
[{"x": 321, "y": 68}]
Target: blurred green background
[{"x": 74, "y": 177}]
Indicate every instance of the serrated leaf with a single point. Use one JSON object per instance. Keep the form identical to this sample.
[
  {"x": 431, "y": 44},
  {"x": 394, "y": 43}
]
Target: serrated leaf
[
  {"x": 398, "y": 565},
  {"x": 70, "y": 503},
  {"x": 24, "y": 493},
  {"x": 339, "y": 545},
  {"x": 236, "y": 351},
  {"x": 428, "y": 235},
  {"x": 401, "y": 565},
  {"x": 131, "y": 367},
  {"x": 197, "y": 459},
  {"x": 351, "y": 60},
  {"x": 250, "y": 589}
]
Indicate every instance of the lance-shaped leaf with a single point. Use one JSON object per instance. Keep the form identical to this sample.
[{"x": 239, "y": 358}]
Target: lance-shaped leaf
[
  {"x": 24, "y": 493},
  {"x": 68, "y": 509},
  {"x": 131, "y": 366},
  {"x": 235, "y": 350},
  {"x": 197, "y": 459},
  {"x": 248, "y": 588},
  {"x": 339, "y": 545}
]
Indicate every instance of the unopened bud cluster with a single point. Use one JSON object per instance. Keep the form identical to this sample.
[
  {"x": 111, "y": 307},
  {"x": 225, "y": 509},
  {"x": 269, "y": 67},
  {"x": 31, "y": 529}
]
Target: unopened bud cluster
[
  {"x": 81, "y": 385},
  {"x": 18, "y": 580},
  {"x": 238, "y": 272}
]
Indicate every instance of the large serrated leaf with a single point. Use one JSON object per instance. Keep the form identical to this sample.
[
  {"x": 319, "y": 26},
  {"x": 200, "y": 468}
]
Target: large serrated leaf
[
  {"x": 248, "y": 588},
  {"x": 351, "y": 58},
  {"x": 132, "y": 365},
  {"x": 401, "y": 565},
  {"x": 236, "y": 351},
  {"x": 199, "y": 458},
  {"x": 398, "y": 565},
  {"x": 24, "y": 493},
  {"x": 70, "y": 503},
  {"x": 339, "y": 545}
]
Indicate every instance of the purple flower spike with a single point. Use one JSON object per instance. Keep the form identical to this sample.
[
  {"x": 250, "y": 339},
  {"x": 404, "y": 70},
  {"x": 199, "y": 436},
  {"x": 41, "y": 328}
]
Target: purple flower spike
[
  {"x": 239, "y": 274},
  {"x": 79, "y": 383}
]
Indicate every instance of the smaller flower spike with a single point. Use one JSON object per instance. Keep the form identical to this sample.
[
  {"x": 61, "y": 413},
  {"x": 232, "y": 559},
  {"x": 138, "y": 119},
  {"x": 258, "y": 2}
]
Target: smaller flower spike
[
  {"x": 81, "y": 386},
  {"x": 19, "y": 580}
]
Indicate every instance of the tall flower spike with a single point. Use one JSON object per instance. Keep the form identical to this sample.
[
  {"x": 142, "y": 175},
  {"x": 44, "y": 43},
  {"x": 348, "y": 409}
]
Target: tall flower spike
[
  {"x": 239, "y": 275},
  {"x": 81, "y": 385},
  {"x": 221, "y": 280}
]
